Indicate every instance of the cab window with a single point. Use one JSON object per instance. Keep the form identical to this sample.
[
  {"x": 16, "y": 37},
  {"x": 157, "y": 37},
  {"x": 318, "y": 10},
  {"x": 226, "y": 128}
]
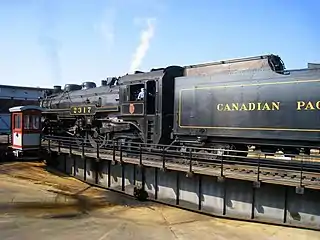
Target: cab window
[{"x": 134, "y": 91}]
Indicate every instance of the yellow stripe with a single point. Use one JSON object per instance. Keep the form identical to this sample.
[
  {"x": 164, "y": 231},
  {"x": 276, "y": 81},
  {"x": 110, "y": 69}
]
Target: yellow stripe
[
  {"x": 251, "y": 84},
  {"x": 257, "y": 129},
  {"x": 244, "y": 85}
]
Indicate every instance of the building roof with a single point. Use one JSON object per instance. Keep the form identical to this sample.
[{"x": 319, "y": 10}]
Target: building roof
[
  {"x": 24, "y": 87},
  {"x": 23, "y": 108}
]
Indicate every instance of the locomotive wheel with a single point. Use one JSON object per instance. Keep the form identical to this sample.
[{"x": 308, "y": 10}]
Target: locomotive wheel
[
  {"x": 132, "y": 147},
  {"x": 218, "y": 150},
  {"x": 206, "y": 155},
  {"x": 242, "y": 148},
  {"x": 95, "y": 139},
  {"x": 80, "y": 139}
]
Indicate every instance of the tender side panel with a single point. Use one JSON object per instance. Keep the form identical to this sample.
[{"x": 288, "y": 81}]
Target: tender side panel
[{"x": 265, "y": 109}]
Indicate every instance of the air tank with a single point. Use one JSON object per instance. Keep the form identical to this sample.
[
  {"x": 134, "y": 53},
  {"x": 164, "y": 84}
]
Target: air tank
[
  {"x": 56, "y": 89},
  {"x": 104, "y": 82},
  {"x": 72, "y": 87},
  {"x": 88, "y": 85},
  {"x": 156, "y": 69}
]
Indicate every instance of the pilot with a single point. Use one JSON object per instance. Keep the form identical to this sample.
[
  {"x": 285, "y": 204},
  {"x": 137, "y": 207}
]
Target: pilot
[{"x": 141, "y": 94}]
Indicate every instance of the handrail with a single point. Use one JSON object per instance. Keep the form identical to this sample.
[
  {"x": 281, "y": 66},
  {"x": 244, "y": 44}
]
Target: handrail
[
  {"x": 304, "y": 172},
  {"x": 191, "y": 155}
]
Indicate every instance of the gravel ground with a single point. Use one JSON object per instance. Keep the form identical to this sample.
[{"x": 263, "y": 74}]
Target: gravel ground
[{"x": 37, "y": 204}]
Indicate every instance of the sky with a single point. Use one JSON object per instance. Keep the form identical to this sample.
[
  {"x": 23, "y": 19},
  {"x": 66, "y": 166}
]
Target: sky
[{"x": 55, "y": 42}]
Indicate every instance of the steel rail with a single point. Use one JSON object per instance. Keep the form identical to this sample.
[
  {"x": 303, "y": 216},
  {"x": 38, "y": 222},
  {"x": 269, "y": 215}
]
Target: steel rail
[{"x": 191, "y": 155}]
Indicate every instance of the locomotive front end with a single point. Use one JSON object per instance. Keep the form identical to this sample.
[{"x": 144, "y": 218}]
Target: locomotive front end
[{"x": 81, "y": 111}]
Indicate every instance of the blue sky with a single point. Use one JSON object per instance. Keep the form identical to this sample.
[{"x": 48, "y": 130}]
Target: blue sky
[{"x": 46, "y": 43}]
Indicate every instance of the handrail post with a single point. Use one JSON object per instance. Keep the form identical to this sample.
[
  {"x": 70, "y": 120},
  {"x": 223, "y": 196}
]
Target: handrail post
[
  {"x": 82, "y": 149},
  {"x": 84, "y": 159},
  {"x": 59, "y": 146},
  {"x": 70, "y": 148},
  {"x": 301, "y": 172},
  {"x": 221, "y": 167},
  {"x": 98, "y": 151},
  {"x": 121, "y": 152},
  {"x": 49, "y": 145},
  {"x": 258, "y": 174},
  {"x": 163, "y": 158},
  {"x": 190, "y": 161},
  {"x": 113, "y": 151},
  {"x": 97, "y": 164}
]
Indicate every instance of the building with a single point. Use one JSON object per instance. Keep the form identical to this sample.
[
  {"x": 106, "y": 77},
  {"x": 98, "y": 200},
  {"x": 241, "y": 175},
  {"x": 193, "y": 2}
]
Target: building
[{"x": 11, "y": 96}]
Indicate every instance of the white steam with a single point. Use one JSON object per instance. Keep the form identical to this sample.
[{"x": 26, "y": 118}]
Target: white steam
[{"x": 146, "y": 36}]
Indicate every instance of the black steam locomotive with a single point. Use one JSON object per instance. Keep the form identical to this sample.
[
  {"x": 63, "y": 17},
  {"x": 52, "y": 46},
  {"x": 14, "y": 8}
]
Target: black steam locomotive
[{"x": 222, "y": 105}]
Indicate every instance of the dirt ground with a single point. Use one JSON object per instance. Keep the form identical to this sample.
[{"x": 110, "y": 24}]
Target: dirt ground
[{"x": 37, "y": 204}]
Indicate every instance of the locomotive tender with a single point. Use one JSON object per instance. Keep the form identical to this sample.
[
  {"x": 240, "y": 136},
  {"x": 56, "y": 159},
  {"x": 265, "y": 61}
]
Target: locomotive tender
[{"x": 222, "y": 105}]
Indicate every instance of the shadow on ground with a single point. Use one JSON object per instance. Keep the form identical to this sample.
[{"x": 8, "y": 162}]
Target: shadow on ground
[{"x": 69, "y": 198}]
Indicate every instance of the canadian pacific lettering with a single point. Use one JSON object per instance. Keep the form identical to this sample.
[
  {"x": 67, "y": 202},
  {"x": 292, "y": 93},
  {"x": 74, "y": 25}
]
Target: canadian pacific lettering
[
  {"x": 308, "y": 105},
  {"x": 266, "y": 106},
  {"x": 251, "y": 106}
]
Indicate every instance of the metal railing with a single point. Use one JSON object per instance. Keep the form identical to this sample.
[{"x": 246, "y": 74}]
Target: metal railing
[{"x": 193, "y": 157}]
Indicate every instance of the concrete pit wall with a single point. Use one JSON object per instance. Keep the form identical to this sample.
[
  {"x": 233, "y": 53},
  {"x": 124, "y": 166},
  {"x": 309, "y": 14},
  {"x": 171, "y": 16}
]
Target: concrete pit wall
[{"x": 232, "y": 198}]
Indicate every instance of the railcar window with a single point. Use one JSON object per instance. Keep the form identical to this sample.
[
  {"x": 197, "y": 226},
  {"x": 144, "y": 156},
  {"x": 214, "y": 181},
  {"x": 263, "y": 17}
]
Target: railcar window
[
  {"x": 35, "y": 122},
  {"x": 27, "y": 121},
  {"x": 31, "y": 122},
  {"x": 17, "y": 121}
]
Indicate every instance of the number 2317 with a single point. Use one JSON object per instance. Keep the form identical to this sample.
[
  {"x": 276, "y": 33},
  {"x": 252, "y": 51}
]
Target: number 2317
[{"x": 82, "y": 110}]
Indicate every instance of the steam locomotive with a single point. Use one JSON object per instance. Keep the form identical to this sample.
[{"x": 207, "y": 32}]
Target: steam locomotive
[{"x": 230, "y": 104}]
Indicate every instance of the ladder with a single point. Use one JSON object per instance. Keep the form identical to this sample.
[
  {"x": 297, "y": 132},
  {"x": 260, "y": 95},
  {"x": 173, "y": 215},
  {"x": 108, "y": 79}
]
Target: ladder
[{"x": 150, "y": 131}]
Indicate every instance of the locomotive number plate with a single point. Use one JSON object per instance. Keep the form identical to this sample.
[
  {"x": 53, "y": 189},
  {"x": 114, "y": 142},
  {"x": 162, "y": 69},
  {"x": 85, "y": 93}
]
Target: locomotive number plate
[{"x": 83, "y": 110}]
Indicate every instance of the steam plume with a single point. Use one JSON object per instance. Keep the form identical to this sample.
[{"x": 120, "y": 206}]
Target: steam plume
[{"x": 146, "y": 36}]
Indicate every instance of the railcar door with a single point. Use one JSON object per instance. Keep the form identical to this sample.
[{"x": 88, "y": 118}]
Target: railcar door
[
  {"x": 17, "y": 130},
  {"x": 151, "y": 97}
]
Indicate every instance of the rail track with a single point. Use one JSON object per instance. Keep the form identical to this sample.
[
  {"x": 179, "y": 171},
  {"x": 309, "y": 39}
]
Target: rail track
[{"x": 302, "y": 171}]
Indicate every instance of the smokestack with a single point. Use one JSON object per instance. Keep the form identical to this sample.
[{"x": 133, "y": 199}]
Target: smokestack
[{"x": 103, "y": 82}]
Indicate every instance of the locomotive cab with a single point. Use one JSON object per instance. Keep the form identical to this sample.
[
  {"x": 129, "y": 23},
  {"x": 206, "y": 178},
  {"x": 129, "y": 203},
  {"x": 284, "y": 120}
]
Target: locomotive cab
[
  {"x": 141, "y": 102},
  {"x": 138, "y": 100},
  {"x": 143, "y": 93}
]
